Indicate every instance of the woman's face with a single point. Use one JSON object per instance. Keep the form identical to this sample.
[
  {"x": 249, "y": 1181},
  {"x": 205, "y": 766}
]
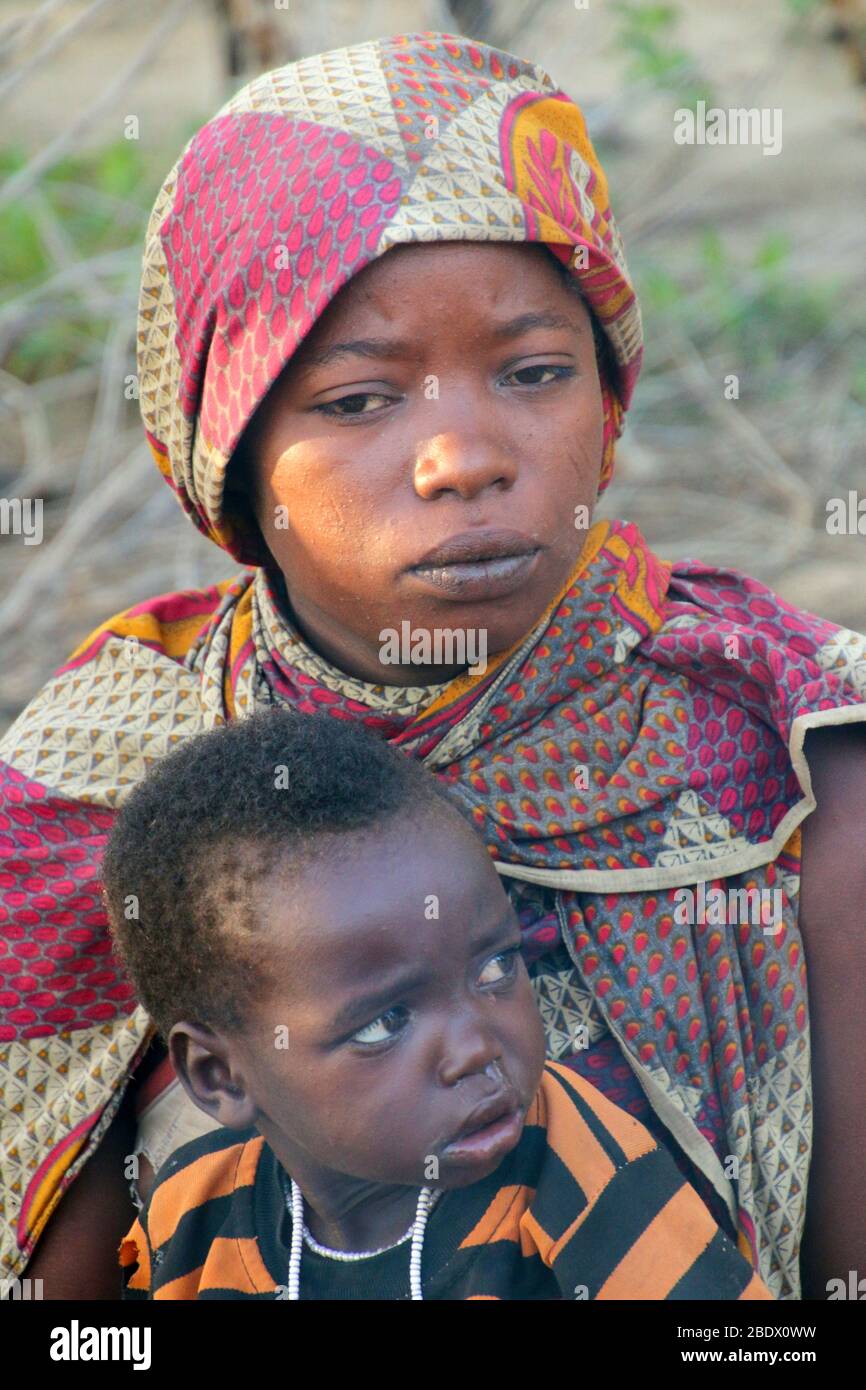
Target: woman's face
[{"x": 427, "y": 456}]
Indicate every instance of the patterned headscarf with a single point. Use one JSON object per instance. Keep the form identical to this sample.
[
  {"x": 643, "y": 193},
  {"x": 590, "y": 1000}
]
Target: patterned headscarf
[{"x": 312, "y": 172}]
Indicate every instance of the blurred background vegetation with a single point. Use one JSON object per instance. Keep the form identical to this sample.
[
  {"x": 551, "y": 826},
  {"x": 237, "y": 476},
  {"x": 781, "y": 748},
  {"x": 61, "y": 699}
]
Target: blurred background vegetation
[{"x": 746, "y": 264}]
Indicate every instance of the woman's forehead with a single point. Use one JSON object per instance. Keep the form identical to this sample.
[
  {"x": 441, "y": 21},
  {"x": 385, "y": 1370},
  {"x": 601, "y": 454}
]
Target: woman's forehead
[
  {"x": 418, "y": 258},
  {"x": 409, "y": 276}
]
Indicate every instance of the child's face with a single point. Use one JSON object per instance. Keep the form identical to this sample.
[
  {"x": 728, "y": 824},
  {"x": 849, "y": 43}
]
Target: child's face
[
  {"x": 369, "y": 462},
  {"x": 405, "y": 1007}
]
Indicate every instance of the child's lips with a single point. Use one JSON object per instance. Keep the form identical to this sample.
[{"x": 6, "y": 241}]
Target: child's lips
[{"x": 491, "y": 1138}]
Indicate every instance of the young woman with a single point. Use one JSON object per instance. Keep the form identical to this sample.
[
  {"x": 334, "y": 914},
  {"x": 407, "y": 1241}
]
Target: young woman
[{"x": 387, "y": 337}]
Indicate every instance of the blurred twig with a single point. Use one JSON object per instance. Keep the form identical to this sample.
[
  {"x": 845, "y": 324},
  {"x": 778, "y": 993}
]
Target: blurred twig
[
  {"x": 109, "y": 403},
  {"x": 78, "y": 527},
  {"x": 37, "y": 60},
  {"x": 25, "y": 178},
  {"x": 16, "y": 30},
  {"x": 34, "y": 429}
]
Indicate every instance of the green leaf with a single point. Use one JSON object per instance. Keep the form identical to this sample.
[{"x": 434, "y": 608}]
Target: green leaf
[
  {"x": 119, "y": 169},
  {"x": 22, "y": 256},
  {"x": 772, "y": 252}
]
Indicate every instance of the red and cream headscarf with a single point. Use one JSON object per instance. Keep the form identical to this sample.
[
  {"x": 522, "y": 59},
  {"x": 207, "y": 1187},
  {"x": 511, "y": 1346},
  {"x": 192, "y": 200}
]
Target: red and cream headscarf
[{"x": 315, "y": 170}]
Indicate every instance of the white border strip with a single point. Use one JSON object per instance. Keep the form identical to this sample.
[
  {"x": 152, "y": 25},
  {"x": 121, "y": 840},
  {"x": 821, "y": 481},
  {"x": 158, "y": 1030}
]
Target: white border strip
[{"x": 644, "y": 880}]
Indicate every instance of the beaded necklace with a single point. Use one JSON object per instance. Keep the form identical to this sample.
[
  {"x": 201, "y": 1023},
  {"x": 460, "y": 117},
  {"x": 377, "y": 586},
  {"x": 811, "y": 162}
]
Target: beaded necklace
[{"x": 301, "y": 1236}]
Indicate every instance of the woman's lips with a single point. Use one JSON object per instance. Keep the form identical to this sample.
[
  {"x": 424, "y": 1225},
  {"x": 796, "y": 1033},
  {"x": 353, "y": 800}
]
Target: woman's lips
[
  {"x": 491, "y": 1141},
  {"x": 478, "y": 579}
]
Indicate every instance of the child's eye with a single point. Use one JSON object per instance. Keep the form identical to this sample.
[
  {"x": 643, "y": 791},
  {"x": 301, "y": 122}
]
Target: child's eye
[
  {"x": 501, "y": 967},
  {"x": 558, "y": 373},
  {"x": 330, "y": 407},
  {"x": 383, "y": 1028}
]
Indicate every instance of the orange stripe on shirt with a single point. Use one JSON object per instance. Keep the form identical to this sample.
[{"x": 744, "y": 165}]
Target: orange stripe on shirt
[
  {"x": 258, "y": 1272},
  {"x": 533, "y": 1237},
  {"x": 241, "y": 633},
  {"x": 572, "y": 1140},
  {"x": 235, "y": 1263},
  {"x": 500, "y": 1220},
  {"x": 756, "y": 1289},
  {"x": 665, "y": 1251},
  {"x": 173, "y": 638},
  {"x": 212, "y": 1175},
  {"x": 186, "y": 1287},
  {"x": 631, "y": 1136}
]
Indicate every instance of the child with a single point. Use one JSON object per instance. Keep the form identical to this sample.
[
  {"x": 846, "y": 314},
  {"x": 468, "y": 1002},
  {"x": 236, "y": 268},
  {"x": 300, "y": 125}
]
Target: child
[{"x": 337, "y": 971}]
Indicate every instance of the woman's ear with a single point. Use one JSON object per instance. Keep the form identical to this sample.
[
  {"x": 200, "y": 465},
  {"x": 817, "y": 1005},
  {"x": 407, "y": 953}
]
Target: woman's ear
[{"x": 202, "y": 1061}]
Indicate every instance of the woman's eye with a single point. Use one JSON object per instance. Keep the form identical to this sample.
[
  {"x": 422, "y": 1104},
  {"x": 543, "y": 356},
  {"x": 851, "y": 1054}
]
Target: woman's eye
[
  {"x": 558, "y": 373},
  {"x": 354, "y": 403},
  {"x": 501, "y": 967},
  {"x": 383, "y": 1028}
]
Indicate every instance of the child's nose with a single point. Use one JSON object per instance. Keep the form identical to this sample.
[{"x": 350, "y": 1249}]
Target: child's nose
[{"x": 469, "y": 1048}]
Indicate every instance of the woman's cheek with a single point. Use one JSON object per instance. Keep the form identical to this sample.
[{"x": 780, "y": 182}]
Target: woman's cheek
[{"x": 312, "y": 515}]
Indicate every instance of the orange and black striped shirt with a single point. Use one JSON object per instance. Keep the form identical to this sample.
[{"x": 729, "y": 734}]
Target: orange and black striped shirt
[{"x": 587, "y": 1205}]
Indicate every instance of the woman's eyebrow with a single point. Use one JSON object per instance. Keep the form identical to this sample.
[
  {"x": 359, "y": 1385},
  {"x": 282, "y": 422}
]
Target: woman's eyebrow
[
  {"x": 358, "y": 347},
  {"x": 394, "y": 348},
  {"x": 513, "y": 328}
]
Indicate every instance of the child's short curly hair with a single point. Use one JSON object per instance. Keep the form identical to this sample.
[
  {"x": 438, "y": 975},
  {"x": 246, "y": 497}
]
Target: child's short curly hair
[{"x": 197, "y": 837}]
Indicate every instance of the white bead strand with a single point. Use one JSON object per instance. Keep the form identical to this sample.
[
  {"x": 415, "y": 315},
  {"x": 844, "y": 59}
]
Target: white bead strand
[{"x": 427, "y": 1199}]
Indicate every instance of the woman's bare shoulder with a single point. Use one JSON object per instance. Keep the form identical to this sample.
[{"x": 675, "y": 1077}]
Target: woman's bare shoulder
[
  {"x": 834, "y": 835},
  {"x": 836, "y": 755},
  {"x": 832, "y": 920}
]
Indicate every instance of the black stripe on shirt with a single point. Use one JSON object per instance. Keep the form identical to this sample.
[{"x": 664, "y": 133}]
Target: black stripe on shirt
[
  {"x": 715, "y": 1274},
  {"x": 619, "y": 1217},
  {"x": 591, "y": 1119},
  {"x": 498, "y": 1270},
  {"x": 559, "y": 1198},
  {"x": 187, "y": 1248}
]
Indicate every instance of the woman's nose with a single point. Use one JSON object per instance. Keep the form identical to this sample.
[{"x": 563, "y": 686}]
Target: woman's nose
[{"x": 465, "y": 461}]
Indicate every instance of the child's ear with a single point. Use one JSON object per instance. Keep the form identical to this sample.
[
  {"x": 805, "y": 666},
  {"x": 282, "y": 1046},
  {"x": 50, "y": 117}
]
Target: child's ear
[{"x": 202, "y": 1061}]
